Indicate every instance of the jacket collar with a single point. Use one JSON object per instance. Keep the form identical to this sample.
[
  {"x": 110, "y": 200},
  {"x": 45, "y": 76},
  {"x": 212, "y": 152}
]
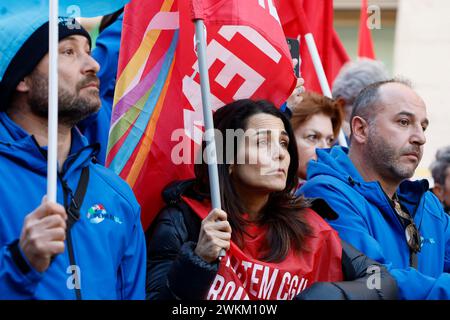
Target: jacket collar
[
  {"x": 17, "y": 144},
  {"x": 335, "y": 162}
]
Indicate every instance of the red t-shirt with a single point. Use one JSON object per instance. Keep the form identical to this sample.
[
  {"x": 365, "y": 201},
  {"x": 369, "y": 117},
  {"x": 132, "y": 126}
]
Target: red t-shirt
[{"x": 242, "y": 276}]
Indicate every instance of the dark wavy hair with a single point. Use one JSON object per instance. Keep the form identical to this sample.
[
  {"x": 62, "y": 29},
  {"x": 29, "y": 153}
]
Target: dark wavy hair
[{"x": 283, "y": 214}]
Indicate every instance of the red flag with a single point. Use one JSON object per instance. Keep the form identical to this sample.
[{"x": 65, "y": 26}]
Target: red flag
[
  {"x": 339, "y": 57},
  {"x": 301, "y": 16},
  {"x": 157, "y": 118},
  {"x": 251, "y": 31},
  {"x": 365, "y": 46}
]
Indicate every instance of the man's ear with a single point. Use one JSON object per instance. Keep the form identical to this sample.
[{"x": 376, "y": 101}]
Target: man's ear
[
  {"x": 360, "y": 129},
  {"x": 24, "y": 85}
]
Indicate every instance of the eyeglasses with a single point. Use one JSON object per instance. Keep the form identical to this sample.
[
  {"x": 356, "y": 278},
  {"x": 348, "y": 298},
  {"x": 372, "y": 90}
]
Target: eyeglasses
[{"x": 411, "y": 232}]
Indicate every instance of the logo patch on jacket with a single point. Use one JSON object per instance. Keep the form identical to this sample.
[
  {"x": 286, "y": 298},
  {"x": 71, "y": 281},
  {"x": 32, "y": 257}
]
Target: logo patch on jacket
[{"x": 97, "y": 213}]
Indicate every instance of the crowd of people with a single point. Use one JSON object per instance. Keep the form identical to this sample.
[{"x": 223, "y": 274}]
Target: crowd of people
[{"x": 301, "y": 217}]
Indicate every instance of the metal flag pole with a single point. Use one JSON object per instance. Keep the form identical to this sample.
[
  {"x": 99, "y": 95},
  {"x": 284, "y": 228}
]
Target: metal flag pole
[
  {"x": 211, "y": 155},
  {"x": 312, "y": 48},
  {"x": 52, "y": 164}
]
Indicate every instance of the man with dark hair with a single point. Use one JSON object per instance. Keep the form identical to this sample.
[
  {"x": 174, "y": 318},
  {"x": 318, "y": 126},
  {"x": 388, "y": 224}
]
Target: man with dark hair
[
  {"x": 391, "y": 219},
  {"x": 93, "y": 247},
  {"x": 440, "y": 170}
]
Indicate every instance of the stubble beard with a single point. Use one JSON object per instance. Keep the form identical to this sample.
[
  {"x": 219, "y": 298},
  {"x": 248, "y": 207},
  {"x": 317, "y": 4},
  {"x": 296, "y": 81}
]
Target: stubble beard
[
  {"x": 72, "y": 108},
  {"x": 385, "y": 159}
]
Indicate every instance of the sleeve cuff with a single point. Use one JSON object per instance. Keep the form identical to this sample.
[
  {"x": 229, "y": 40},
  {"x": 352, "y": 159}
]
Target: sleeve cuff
[
  {"x": 21, "y": 276},
  {"x": 19, "y": 259},
  {"x": 191, "y": 277}
]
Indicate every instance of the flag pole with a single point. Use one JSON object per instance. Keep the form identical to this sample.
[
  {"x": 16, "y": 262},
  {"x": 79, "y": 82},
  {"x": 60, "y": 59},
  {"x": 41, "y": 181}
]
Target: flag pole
[
  {"x": 52, "y": 102},
  {"x": 318, "y": 66},
  {"x": 323, "y": 81},
  {"x": 211, "y": 155}
]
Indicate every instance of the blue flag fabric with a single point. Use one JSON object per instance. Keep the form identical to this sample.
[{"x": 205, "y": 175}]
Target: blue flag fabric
[{"x": 19, "y": 19}]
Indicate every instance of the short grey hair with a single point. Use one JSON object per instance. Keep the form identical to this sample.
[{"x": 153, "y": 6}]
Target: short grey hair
[
  {"x": 440, "y": 165},
  {"x": 355, "y": 76},
  {"x": 367, "y": 101}
]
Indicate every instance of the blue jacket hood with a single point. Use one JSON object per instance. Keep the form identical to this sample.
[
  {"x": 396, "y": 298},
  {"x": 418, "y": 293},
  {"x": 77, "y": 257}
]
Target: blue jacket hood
[
  {"x": 21, "y": 147},
  {"x": 368, "y": 221},
  {"x": 107, "y": 240}
]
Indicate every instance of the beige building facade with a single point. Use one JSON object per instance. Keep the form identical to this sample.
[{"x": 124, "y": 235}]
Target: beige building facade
[
  {"x": 421, "y": 53},
  {"x": 414, "y": 42}
]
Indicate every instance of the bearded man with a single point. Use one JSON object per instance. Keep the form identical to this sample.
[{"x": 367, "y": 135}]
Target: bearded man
[
  {"x": 391, "y": 219},
  {"x": 90, "y": 244}
]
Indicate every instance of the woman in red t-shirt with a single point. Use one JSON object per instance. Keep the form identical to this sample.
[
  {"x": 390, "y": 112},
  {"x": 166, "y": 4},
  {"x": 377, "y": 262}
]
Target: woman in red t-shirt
[{"x": 278, "y": 247}]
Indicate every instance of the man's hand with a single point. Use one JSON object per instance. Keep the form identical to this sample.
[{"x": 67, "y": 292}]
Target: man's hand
[
  {"x": 43, "y": 234},
  {"x": 215, "y": 234}
]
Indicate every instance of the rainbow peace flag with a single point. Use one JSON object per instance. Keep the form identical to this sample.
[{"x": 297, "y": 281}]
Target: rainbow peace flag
[{"x": 139, "y": 147}]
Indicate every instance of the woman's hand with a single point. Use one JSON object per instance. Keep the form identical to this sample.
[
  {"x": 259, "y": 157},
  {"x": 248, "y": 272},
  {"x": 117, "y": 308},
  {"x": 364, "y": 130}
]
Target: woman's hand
[
  {"x": 295, "y": 98},
  {"x": 215, "y": 234}
]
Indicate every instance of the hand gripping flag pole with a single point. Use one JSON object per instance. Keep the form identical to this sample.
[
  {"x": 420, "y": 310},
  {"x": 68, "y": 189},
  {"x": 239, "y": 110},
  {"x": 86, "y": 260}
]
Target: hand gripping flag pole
[{"x": 211, "y": 154}]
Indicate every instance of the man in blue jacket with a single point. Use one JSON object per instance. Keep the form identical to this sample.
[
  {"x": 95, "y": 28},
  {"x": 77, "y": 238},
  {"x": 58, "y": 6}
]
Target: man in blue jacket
[
  {"x": 91, "y": 244},
  {"x": 391, "y": 219}
]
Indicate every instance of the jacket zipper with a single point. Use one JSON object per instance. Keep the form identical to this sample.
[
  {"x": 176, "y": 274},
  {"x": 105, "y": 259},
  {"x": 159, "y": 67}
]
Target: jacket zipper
[
  {"x": 391, "y": 210},
  {"x": 67, "y": 192}
]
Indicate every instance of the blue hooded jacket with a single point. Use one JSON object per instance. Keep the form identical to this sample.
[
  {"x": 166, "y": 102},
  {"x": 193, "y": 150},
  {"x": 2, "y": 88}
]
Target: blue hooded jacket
[
  {"x": 368, "y": 222},
  {"x": 108, "y": 240}
]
